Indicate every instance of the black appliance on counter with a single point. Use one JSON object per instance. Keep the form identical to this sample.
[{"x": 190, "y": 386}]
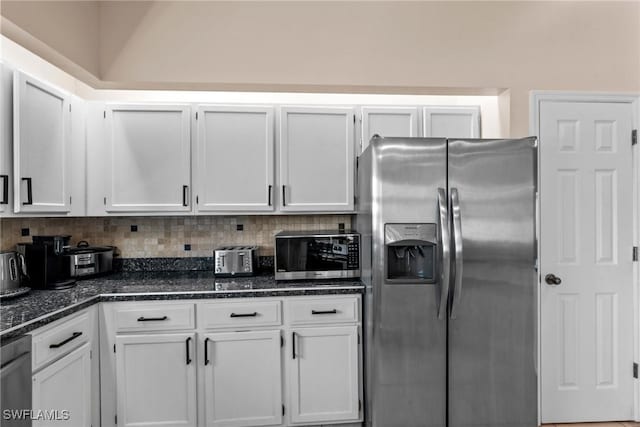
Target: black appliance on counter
[{"x": 45, "y": 263}]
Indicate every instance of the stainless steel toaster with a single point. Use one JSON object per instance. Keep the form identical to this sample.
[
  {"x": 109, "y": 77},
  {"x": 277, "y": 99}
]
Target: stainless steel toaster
[{"x": 231, "y": 261}]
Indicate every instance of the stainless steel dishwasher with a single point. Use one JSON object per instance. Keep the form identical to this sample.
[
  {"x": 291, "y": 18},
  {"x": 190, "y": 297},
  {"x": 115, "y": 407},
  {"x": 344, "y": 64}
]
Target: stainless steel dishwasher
[{"x": 15, "y": 382}]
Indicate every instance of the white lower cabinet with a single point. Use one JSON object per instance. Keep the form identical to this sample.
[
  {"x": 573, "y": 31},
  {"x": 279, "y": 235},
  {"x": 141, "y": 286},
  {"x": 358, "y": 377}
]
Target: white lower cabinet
[
  {"x": 62, "y": 391},
  {"x": 156, "y": 380},
  {"x": 324, "y": 374},
  {"x": 242, "y": 378},
  {"x": 231, "y": 362}
]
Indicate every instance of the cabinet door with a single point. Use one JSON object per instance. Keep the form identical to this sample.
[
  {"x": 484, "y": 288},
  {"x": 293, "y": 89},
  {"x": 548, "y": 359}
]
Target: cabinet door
[
  {"x": 234, "y": 159},
  {"x": 156, "y": 380},
  {"x": 6, "y": 138},
  {"x": 63, "y": 391},
  {"x": 451, "y": 122},
  {"x": 388, "y": 122},
  {"x": 316, "y": 159},
  {"x": 148, "y": 157},
  {"x": 40, "y": 146},
  {"x": 324, "y": 374},
  {"x": 242, "y": 379}
]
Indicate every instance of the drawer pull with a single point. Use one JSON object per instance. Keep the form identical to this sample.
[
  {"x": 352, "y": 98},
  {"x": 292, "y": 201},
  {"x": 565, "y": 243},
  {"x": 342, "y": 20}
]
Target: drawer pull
[
  {"x": 188, "y": 350},
  {"x": 151, "y": 319},
  {"x": 254, "y": 314},
  {"x": 71, "y": 338},
  {"x": 334, "y": 311},
  {"x": 206, "y": 351}
]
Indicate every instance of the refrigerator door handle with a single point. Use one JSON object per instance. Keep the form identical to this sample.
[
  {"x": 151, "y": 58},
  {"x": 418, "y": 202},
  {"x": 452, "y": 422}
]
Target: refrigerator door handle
[
  {"x": 445, "y": 241},
  {"x": 457, "y": 241}
]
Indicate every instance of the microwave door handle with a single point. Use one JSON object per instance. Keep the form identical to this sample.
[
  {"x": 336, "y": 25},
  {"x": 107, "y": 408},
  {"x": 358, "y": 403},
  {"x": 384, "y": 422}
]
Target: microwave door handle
[
  {"x": 445, "y": 255},
  {"x": 458, "y": 252}
]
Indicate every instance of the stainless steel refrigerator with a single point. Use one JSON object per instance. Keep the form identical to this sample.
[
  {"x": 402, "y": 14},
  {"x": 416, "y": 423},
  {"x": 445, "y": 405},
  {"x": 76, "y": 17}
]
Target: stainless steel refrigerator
[{"x": 448, "y": 260}]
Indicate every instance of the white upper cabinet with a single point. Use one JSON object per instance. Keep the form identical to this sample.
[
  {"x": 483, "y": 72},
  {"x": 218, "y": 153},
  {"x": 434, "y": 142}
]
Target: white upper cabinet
[
  {"x": 316, "y": 159},
  {"x": 148, "y": 158},
  {"x": 451, "y": 122},
  {"x": 234, "y": 158},
  {"x": 6, "y": 136},
  {"x": 388, "y": 122},
  {"x": 41, "y": 145}
]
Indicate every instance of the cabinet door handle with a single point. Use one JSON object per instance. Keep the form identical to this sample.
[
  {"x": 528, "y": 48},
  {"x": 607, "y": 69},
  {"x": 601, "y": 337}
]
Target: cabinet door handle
[
  {"x": 151, "y": 319},
  {"x": 5, "y": 190},
  {"x": 206, "y": 351},
  {"x": 185, "y": 191},
  {"x": 254, "y": 314},
  {"x": 187, "y": 342},
  {"x": 293, "y": 345},
  {"x": 334, "y": 311},
  {"x": 29, "y": 192},
  {"x": 71, "y": 338},
  {"x": 284, "y": 203},
  {"x": 269, "y": 195}
]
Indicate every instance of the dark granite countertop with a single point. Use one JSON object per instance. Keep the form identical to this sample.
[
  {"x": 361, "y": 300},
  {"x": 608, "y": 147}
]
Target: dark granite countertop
[{"x": 39, "y": 307}]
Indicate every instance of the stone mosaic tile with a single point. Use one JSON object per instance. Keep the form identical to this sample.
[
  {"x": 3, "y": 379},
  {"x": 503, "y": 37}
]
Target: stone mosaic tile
[{"x": 166, "y": 237}]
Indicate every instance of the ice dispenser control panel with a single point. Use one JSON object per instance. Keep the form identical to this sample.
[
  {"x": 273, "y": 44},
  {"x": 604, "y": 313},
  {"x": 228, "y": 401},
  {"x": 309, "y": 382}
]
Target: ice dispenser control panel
[{"x": 411, "y": 253}]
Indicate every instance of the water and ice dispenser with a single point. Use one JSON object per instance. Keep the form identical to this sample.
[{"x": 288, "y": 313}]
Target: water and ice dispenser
[{"x": 411, "y": 253}]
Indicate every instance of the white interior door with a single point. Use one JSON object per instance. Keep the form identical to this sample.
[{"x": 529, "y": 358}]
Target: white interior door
[
  {"x": 41, "y": 132},
  {"x": 235, "y": 158},
  {"x": 586, "y": 241},
  {"x": 388, "y": 122},
  {"x": 451, "y": 122}
]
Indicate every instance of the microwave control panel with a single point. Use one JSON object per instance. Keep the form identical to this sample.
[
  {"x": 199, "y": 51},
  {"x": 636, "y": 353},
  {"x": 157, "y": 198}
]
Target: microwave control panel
[{"x": 353, "y": 254}]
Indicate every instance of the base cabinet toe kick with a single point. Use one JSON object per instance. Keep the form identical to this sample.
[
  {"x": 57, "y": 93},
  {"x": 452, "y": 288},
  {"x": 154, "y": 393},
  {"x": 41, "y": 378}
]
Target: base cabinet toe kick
[{"x": 268, "y": 361}]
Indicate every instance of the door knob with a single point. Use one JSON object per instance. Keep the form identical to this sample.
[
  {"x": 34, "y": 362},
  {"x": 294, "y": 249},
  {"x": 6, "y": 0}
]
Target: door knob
[{"x": 552, "y": 279}]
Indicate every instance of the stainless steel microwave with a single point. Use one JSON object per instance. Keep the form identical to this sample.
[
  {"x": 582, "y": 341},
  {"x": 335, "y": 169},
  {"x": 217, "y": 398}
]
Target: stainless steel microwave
[{"x": 317, "y": 255}]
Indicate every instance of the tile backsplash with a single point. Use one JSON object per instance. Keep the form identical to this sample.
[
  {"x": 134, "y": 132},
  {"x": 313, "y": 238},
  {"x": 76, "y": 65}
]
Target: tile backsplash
[{"x": 151, "y": 237}]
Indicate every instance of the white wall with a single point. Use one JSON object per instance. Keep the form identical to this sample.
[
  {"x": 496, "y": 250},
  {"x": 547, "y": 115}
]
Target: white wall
[{"x": 421, "y": 47}]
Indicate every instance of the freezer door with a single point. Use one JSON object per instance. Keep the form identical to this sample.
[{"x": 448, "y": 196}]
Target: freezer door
[
  {"x": 406, "y": 348},
  {"x": 492, "y": 376}
]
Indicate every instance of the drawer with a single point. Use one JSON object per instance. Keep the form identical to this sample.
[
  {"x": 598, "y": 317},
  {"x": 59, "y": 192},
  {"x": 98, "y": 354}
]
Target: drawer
[
  {"x": 154, "y": 317},
  {"x": 57, "y": 341},
  {"x": 312, "y": 311},
  {"x": 239, "y": 314}
]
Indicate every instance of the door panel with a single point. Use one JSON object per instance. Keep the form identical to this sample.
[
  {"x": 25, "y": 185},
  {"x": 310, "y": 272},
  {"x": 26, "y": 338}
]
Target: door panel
[
  {"x": 406, "y": 358},
  {"x": 6, "y": 139},
  {"x": 40, "y": 146},
  {"x": 156, "y": 381},
  {"x": 242, "y": 379},
  {"x": 148, "y": 157},
  {"x": 388, "y": 122},
  {"x": 451, "y": 122},
  {"x": 65, "y": 386},
  {"x": 324, "y": 376},
  {"x": 235, "y": 158},
  {"x": 317, "y": 159},
  {"x": 586, "y": 240},
  {"x": 492, "y": 353}
]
